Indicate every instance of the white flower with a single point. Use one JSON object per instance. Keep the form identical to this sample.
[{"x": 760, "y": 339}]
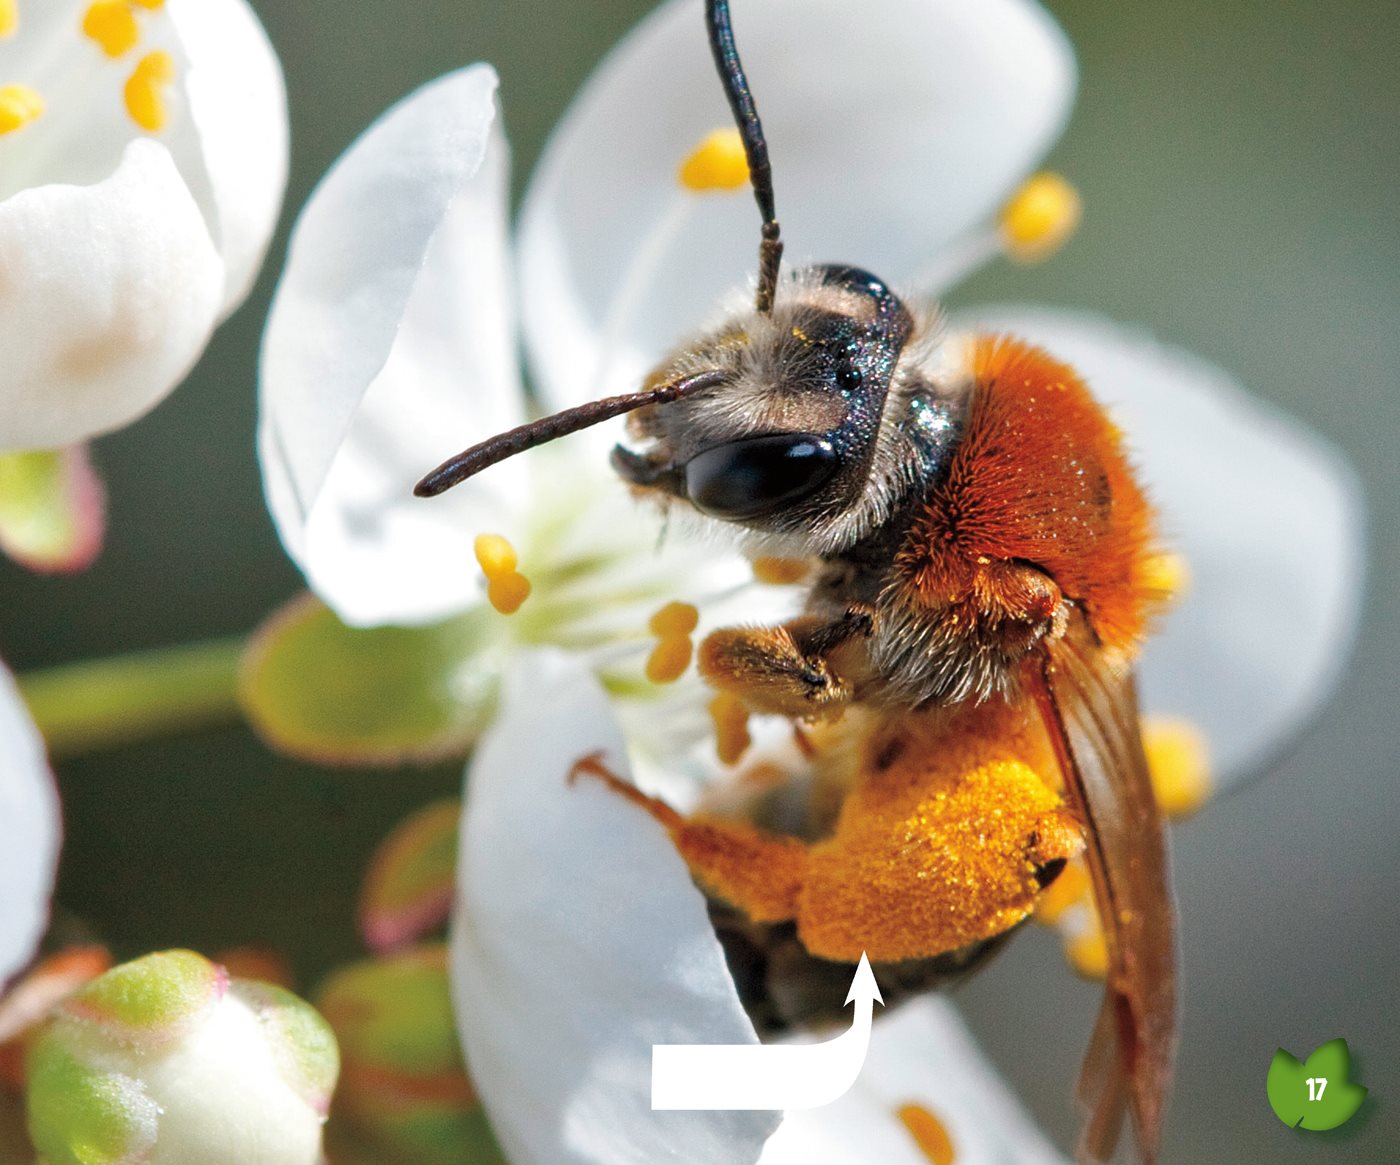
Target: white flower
[
  {"x": 29, "y": 832},
  {"x": 579, "y": 939},
  {"x": 143, "y": 155}
]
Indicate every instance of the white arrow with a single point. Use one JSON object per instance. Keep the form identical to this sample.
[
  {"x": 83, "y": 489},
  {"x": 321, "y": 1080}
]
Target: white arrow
[{"x": 749, "y": 1076}]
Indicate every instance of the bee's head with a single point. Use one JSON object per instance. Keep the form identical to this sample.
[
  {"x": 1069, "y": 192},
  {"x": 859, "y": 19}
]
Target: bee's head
[{"x": 783, "y": 438}]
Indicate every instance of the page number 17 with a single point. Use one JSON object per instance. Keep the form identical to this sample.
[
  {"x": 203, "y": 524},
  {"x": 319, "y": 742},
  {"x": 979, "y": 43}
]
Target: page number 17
[{"x": 1316, "y": 1086}]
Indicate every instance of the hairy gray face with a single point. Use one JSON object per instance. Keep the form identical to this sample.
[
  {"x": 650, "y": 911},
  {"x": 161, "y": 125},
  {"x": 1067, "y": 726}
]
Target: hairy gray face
[{"x": 785, "y": 444}]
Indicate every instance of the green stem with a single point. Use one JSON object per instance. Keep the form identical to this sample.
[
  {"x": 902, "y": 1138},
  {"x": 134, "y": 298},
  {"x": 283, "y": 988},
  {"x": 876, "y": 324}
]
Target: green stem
[{"x": 105, "y": 703}]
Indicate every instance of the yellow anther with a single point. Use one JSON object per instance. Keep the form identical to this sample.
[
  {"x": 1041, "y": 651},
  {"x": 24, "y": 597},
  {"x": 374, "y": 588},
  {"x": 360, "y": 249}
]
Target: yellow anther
[
  {"x": 928, "y": 1133},
  {"x": 717, "y": 163},
  {"x": 731, "y": 720},
  {"x": 152, "y": 5},
  {"x": 1069, "y": 889},
  {"x": 1088, "y": 953},
  {"x": 780, "y": 571},
  {"x": 674, "y": 619},
  {"x": 669, "y": 659},
  {"x": 495, "y": 555},
  {"x": 1178, "y": 760},
  {"x": 19, "y": 105},
  {"x": 9, "y": 18},
  {"x": 507, "y": 591},
  {"x": 112, "y": 24},
  {"x": 1167, "y": 574},
  {"x": 1040, "y": 217},
  {"x": 145, "y": 90}
]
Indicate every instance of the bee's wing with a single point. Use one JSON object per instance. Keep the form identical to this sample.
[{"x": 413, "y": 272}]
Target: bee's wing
[{"x": 1092, "y": 713}]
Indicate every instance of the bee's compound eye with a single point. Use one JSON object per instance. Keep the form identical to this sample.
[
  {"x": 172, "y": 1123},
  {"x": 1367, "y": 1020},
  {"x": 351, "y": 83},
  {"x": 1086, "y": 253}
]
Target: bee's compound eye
[{"x": 750, "y": 478}]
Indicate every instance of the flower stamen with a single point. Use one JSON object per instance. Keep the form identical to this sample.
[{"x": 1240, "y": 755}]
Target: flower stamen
[
  {"x": 19, "y": 105},
  {"x": 672, "y": 625},
  {"x": 928, "y": 1132},
  {"x": 1040, "y": 217},
  {"x": 780, "y": 572},
  {"x": 506, "y": 587},
  {"x": 731, "y": 721},
  {"x": 1179, "y": 764},
  {"x": 717, "y": 163},
  {"x": 145, "y": 90},
  {"x": 112, "y": 26},
  {"x": 9, "y": 18}
]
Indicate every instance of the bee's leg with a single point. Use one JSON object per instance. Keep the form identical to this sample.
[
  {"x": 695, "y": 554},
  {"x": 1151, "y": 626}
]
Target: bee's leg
[
  {"x": 759, "y": 873},
  {"x": 788, "y": 669}
]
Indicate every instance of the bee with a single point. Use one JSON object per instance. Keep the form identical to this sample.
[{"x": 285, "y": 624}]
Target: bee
[{"x": 982, "y": 578}]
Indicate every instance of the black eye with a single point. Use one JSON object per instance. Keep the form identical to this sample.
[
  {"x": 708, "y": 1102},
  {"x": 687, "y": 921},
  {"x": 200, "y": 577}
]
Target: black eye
[
  {"x": 848, "y": 377},
  {"x": 746, "y": 479}
]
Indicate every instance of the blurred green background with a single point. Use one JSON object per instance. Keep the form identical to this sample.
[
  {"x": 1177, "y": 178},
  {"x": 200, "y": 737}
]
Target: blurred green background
[{"x": 1239, "y": 163}]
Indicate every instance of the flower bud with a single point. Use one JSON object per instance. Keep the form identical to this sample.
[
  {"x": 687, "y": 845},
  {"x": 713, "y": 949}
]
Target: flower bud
[{"x": 167, "y": 1061}]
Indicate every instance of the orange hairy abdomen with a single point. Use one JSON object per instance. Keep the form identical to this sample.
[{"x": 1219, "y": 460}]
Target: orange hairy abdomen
[{"x": 1039, "y": 477}]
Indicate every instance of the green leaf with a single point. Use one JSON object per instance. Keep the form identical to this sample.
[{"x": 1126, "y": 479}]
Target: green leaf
[
  {"x": 320, "y": 690},
  {"x": 408, "y": 888},
  {"x": 1315, "y": 1106}
]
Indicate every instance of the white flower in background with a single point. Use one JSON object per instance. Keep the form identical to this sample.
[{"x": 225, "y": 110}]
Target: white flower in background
[
  {"x": 580, "y": 940},
  {"x": 168, "y": 1061},
  {"x": 143, "y": 156},
  {"x": 29, "y": 832}
]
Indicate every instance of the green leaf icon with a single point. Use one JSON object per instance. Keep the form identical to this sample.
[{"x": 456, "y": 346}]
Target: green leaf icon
[{"x": 1316, "y": 1095}]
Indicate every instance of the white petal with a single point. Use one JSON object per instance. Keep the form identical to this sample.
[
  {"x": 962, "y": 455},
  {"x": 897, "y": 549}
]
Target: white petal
[
  {"x": 238, "y": 107},
  {"x": 29, "y": 832},
  {"x": 1269, "y": 518},
  {"x": 921, "y": 1054},
  {"x": 578, "y": 941},
  {"x": 108, "y": 294},
  {"x": 390, "y": 346},
  {"x": 893, "y": 129}
]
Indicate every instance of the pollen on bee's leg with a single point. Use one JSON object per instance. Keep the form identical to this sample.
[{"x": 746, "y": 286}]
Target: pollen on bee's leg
[
  {"x": 19, "y": 105},
  {"x": 717, "y": 163},
  {"x": 9, "y": 18},
  {"x": 1178, "y": 763},
  {"x": 731, "y": 721},
  {"x": 928, "y": 1132},
  {"x": 111, "y": 25},
  {"x": 145, "y": 90},
  {"x": 1040, "y": 217},
  {"x": 506, "y": 588}
]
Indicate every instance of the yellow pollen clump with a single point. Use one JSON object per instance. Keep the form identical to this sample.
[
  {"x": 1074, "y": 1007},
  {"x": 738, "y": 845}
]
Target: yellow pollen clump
[
  {"x": 112, "y": 25},
  {"x": 19, "y": 105},
  {"x": 674, "y": 619},
  {"x": 506, "y": 587},
  {"x": 495, "y": 555},
  {"x": 731, "y": 720},
  {"x": 9, "y": 18},
  {"x": 1088, "y": 953},
  {"x": 507, "y": 592},
  {"x": 717, "y": 163},
  {"x": 1167, "y": 574},
  {"x": 1040, "y": 217},
  {"x": 1178, "y": 763},
  {"x": 1070, "y": 888},
  {"x": 928, "y": 1133},
  {"x": 672, "y": 625},
  {"x": 780, "y": 571},
  {"x": 145, "y": 90},
  {"x": 669, "y": 659}
]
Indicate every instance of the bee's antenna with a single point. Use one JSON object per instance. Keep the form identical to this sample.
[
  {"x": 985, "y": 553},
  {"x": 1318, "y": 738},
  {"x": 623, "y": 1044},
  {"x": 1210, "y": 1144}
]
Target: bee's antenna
[
  {"x": 472, "y": 461},
  {"x": 736, "y": 88}
]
